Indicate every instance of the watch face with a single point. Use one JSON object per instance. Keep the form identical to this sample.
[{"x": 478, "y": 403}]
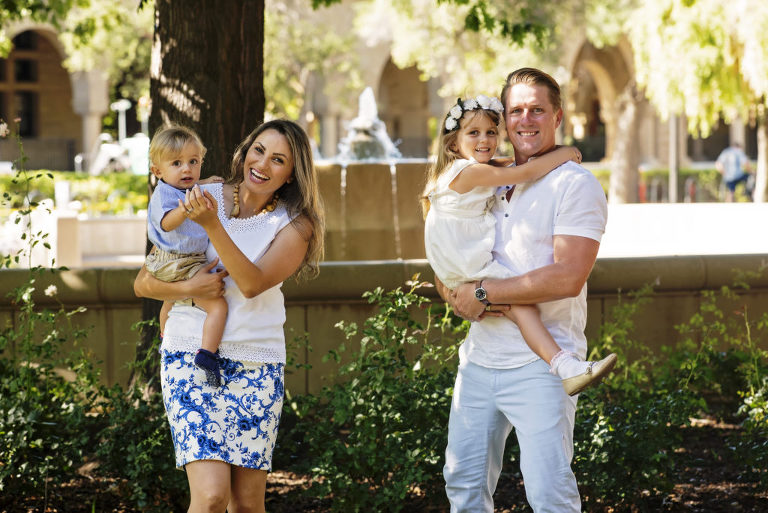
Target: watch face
[{"x": 480, "y": 293}]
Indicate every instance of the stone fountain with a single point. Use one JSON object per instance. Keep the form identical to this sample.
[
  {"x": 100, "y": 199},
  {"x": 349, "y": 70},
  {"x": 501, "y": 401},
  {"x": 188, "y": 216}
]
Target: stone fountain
[{"x": 371, "y": 193}]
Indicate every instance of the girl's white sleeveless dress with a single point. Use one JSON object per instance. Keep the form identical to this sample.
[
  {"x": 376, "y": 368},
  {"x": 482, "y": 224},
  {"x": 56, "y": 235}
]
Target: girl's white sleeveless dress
[{"x": 459, "y": 231}]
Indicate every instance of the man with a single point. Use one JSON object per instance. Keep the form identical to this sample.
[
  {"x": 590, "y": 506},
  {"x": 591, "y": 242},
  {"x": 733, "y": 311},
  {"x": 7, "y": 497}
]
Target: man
[
  {"x": 734, "y": 165},
  {"x": 549, "y": 233}
]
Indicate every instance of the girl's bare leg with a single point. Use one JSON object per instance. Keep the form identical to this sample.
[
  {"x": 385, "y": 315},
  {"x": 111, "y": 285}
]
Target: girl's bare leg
[
  {"x": 576, "y": 373},
  {"x": 535, "y": 334}
]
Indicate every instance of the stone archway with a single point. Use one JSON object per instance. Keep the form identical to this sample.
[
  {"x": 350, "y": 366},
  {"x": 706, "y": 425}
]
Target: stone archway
[
  {"x": 61, "y": 112},
  {"x": 404, "y": 107},
  {"x": 609, "y": 106}
]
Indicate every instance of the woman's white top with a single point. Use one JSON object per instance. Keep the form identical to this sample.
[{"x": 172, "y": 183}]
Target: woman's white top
[
  {"x": 459, "y": 231},
  {"x": 254, "y": 328}
]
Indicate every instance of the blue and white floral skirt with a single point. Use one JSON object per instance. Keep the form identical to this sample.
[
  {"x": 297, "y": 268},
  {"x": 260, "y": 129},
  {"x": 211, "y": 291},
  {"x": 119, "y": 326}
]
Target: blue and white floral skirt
[{"x": 235, "y": 423}]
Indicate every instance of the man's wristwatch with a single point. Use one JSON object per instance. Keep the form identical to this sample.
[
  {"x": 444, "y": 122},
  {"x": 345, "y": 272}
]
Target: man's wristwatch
[{"x": 481, "y": 295}]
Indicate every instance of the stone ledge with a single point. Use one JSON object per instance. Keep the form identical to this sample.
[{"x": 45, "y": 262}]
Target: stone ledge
[{"x": 346, "y": 281}]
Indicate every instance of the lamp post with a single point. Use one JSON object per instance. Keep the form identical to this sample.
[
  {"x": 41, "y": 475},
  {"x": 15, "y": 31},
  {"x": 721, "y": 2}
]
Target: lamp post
[
  {"x": 120, "y": 106},
  {"x": 674, "y": 157}
]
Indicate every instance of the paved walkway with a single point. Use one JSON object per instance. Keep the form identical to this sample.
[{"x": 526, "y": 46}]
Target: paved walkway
[{"x": 659, "y": 229}]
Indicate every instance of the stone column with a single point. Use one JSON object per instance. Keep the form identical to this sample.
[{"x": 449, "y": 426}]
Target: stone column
[
  {"x": 330, "y": 135},
  {"x": 90, "y": 99},
  {"x": 737, "y": 132}
]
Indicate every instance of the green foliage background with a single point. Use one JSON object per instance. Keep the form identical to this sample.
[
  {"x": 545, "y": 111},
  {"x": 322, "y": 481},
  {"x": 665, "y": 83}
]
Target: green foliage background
[{"x": 111, "y": 194}]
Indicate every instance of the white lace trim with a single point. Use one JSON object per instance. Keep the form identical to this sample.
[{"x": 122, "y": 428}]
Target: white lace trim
[
  {"x": 233, "y": 351},
  {"x": 237, "y": 224}
]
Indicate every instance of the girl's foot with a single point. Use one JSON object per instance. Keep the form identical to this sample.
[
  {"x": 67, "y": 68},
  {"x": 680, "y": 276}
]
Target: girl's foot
[
  {"x": 209, "y": 362},
  {"x": 578, "y": 374}
]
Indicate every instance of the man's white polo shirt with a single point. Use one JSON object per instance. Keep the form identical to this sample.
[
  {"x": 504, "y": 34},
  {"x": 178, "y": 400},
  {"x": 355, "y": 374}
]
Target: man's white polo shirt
[{"x": 567, "y": 201}]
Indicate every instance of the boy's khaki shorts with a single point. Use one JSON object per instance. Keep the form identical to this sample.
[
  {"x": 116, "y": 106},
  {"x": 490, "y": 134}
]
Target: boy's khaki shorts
[{"x": 170, "y": 267}]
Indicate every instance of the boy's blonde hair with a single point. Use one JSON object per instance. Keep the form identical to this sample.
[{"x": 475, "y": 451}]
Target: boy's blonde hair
[
  {"x": 170, "y": 140},
  {"x": 445, "y": 155}
]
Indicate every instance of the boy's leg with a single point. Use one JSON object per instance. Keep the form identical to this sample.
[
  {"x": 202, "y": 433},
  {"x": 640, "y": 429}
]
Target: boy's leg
[
  {"x": 213, "y": 329},
  {"x": 163, "y": 317},
  {"x": 215, "y": 320},
  {"x": 543, "y": 416},
  {"x": 477, "y": 433}
]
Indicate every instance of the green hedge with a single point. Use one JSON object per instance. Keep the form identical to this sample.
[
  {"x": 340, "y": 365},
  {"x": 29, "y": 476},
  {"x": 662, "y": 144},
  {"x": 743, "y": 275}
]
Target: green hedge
[
  {"x": 112, "y": 194},
  {"x": 707, "y": 182}
]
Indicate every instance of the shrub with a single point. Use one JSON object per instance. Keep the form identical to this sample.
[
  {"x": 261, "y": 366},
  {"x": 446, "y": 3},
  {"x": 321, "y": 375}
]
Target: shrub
[
  {"x": 752, "y": 447},
  {"x": 45, "y": 419},
  {"x": 708, "y": 181},
  {"x": 54, "y": 413},
  {"x": 627, "y": 429},
  {"x": 53, "y": 408},
  {"x": 380, "y": 432},
  {"x": 625, "y": 447},
  {"x": 135, "y": 445}
]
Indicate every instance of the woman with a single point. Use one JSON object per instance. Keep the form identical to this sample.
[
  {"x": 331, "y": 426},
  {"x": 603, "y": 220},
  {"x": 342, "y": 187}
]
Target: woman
[{"x": 265, "y": 224}]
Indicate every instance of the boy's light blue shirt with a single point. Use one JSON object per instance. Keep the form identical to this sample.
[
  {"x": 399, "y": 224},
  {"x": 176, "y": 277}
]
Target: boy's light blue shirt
[{"x": 189, "y": 237}]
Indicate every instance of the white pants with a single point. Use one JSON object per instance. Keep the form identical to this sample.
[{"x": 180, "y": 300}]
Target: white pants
[{"x": 487, "y": 404}]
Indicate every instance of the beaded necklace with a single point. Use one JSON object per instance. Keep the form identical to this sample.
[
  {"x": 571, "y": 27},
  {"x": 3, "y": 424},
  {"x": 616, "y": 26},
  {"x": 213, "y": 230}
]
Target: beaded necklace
[{"x": 236, "y": 202}]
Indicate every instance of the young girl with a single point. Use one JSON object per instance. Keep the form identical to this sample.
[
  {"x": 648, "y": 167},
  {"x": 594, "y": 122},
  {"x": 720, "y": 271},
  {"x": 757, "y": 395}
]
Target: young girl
[
  {"x": 459, "y": 229},
  {"x": 176, "y": 155}
]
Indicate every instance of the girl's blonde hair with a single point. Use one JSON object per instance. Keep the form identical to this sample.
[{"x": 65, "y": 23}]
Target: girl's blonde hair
[
  {"x": 445, "y": 155},
  {"x": 171, "y": 140},
  {"x": 301, "y": 195}
]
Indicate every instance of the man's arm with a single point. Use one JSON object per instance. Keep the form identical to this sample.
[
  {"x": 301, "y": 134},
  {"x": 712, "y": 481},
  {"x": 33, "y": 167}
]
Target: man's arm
[
  {"x": 445, "y": 292},
  {"x": 574, "y": 258}
]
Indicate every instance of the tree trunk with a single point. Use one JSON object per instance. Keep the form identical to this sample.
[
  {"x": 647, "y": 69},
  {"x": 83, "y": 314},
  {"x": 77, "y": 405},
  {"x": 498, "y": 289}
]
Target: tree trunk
[
  {"x": 761, "y": 178},
  {"x": 625, "y": 161},
  {"x": 207, "y": 74}
]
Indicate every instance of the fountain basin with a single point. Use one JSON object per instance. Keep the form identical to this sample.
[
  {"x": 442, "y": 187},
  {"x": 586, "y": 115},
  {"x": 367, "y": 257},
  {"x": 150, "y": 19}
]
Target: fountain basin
[{"x": 372, "y": 209}]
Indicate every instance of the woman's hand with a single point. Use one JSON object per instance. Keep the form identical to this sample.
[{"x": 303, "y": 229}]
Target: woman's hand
[
  {"x": 208, "y": 282},
  {"x": 205, "y": 284},
  {"x": 201, "y": 207}
]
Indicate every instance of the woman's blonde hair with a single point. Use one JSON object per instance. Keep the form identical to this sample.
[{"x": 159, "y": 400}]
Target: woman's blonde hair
[
  {"x": 171, "y": 140},
  {"x": 301, "y": 195},
  {"x": 445, "y": 155}
]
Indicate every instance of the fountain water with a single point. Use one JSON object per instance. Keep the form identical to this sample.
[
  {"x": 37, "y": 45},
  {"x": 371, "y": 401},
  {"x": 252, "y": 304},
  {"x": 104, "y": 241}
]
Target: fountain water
[
  {"x": 367, "y": 141},
  {"x": 367, "y": 138}
]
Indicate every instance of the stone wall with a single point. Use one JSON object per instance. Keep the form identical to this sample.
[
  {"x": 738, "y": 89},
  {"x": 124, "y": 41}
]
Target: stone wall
[{"x": 315, "y": 307}]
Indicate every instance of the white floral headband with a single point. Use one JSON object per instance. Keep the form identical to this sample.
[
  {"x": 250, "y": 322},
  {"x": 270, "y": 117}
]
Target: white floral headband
[{"x": 458, "y": 110}]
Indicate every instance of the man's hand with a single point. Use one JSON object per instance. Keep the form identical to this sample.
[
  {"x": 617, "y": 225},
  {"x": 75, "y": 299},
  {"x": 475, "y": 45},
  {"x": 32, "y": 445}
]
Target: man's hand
[
  {"x": 449, "y": 296},
  {"x": 465, "y": 304}
]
